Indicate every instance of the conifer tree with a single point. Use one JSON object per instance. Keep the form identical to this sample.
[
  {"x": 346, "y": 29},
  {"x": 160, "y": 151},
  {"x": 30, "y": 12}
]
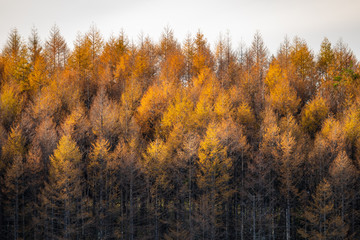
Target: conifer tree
[
  {"x": 99, "y": 186},
  {"x": 13, "y": 153},
  {"x": 212, "y": 179},
  {"x": 63, "y": 205},
  {"x": 34, "y": 46},
  {"x": 56, "y": 50},
  {"x": 320, "y": 218}
]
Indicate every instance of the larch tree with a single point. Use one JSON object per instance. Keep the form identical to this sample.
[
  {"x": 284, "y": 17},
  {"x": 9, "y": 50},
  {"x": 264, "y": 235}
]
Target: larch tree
[
  {"x": 213, "y": 182},
  {"x": 259, "y": 183},
  {"x": 343, "y": 78},
  {"x": 202, "y": 57},
  {"x": 257, "y": 64},
  {"x": 283, "y": 55},
  {"x": 328, "y": 143},
  {"x": 325, "y": 59},
  {"x": 179, "y": 178},
  {"x": 38, "y": 78},
  {"x": 34, "y": 46},
  {"x": 125, "y": 173},
  {"x": 46, "y": 139},
  {"x": 313, "y": 115},
  {"x": 15, "y": 188},
  {"x": 99, "y": 186},
  {"x": 188, "y": 52},
  {"x": 343, "y": 174},
  {"x": 233, "y": 137},
  {"x": 14, "y": 44},
  {"x": 320, "y": 218},
  {"x": 225, "y": 59},
  {"x": 187, "y": 154},
  {"x": 62, "y": 205},
  {"x": 289, "y": 158},
  {"x": 17, "y": 66},
  {"x": 96, "y": 43},
  {"x": 304, "y": 80},
  {"x": 34, "y": 177},
  {"x": 82, "y": 60},
  {"x": 112, "y": 59},
  {"x": 152, "y": 106},
  {"x": 78, "y": 126},
  {"x": 351, "y": 128},
  {"x": 282, "y": 97},
  {"x": 170, "y": 57},
  {"x": 104, "y": 116},
  {"x": 13, "y": 154},
  {"x": 11, "y": 104},
  {"x": 182, "y": 142},
  {"x": 155, "y": 160},
  {"x": 56, "y": 50}
]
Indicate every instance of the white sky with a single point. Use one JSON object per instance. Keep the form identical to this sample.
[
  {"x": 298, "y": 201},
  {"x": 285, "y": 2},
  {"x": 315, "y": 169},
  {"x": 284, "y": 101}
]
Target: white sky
[{"x": 311, "y": 20}]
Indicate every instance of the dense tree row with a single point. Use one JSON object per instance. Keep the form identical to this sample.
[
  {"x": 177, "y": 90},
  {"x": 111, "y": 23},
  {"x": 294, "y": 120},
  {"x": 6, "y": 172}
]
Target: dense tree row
[{"x": 121, "y": 140}]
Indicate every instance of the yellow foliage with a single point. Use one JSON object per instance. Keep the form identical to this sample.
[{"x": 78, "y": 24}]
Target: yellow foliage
[
  {"x": 332, "y": 133},
  {"x": 69, "y": 90},
  {"x": 205, "y": 76},
  {"x": 11, "y": 103},
  {"x": 203, "y": 114},
  {"x": 283, "y": 99},
  {"x": 287, "y": 144},
  {"x": 38, "y": 77},
  {"x": 152, "y": 106},
  {"x": 204, "y": 110},
  {"x": 199, "y": 62},
  {"x": 245, "y": 115},
  {"x": 76, "y": 124},
  {"x": 178, "y": 113},
  {"x": 173, "y": 67},
  {"x": 213, "y": 161},
  {"x": 99, "y": 154},
  {"x": 123, "y": 67},
  {"x": 223, "y": 105},
  {"x": 66, "y": 156},
  {"x": 47, "y": 103},
  {"x": 289, "y": 124},
  {"x": 342, "y": 170},
  {"x": 270, "y": 133},
  {"x": 141, "y": 65},
  {"x": 302, "y": 58},
  {"x": 232, "y": 136},
  {"x": 155, "y": 157},
  {"x": 104, "y": 116},
  {"x": 13, "y": 148},
  {"x": 80, "y": 59},
  {"x": 313, "y": 115},
  {"x": 351, "y": 125},
  {"x": 274, "y": 75}
]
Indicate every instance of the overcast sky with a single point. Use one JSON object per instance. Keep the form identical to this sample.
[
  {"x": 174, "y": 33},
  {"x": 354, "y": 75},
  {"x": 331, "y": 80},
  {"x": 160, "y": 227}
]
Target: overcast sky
[{"x": 311, "y": 20}]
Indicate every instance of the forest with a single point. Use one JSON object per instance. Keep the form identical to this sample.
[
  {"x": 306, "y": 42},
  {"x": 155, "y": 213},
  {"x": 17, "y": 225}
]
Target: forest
[{"x": 122, "y": 139}]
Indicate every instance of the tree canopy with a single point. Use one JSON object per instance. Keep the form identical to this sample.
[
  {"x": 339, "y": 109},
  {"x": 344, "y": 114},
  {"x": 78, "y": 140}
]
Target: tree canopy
[{"x": 120, "y": 139}]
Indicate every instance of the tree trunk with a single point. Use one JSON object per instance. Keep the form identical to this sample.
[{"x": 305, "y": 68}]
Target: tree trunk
[
  {"x": 254, "y": 218},
  {"x": 190, "y": 206},
  {"x": 288, "y": 219},
  {"x": 156, "y": 217},
  {"x": 16, "y": 216},
  {"x": 131, "y": 206}
]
